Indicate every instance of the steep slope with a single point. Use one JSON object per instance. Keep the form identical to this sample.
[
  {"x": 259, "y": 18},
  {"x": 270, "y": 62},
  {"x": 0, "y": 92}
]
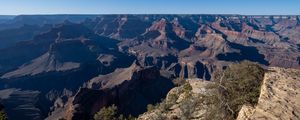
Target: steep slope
[
  {"x": 9, "y": 37},
  {"x": 279, "y": 98},
  {"x": 131, "y": 89},
  {"x": 70, "y": 45},
  {"x": 74, "y": 56},
  {"x": 21, "y": 104},
  {"x": 24, "y": 52},
  {"x": 57, "y": 59},
  {"x": 113, "y": 79}
]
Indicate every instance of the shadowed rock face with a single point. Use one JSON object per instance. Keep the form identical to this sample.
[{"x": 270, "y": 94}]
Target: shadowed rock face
[
  {"x": 21, "y": 104},
  {"x": 131, "y": 89},
  {"x": 9, "y": 37},
  {"x": 65, "y": 52},
  {"x": 141, "y": 87},
  {"x": 245, "y": 53},
  {"x": 71, "y": 58}
]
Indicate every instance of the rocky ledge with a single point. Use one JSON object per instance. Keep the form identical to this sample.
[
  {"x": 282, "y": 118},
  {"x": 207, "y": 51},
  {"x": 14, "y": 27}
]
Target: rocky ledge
[{"x": 279, "y": 98}]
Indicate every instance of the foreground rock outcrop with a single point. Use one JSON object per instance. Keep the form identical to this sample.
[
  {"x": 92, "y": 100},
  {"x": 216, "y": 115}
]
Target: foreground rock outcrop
[
  {"x": 187, "y": 102},
  {"x": 279, "y": 98}
]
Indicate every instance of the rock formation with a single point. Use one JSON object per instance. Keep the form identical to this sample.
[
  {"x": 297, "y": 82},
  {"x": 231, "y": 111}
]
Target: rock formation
[
  {"x": 58, "y": 54},
  {"x": 279, "y": 97}
]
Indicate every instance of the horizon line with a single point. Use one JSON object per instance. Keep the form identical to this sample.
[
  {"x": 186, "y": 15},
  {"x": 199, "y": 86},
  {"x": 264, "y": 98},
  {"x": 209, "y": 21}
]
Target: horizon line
[{"x": 92, "y": 14}]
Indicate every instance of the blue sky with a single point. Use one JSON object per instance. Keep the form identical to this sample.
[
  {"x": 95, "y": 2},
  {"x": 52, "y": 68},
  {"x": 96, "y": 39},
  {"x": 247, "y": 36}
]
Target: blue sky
[{"x": 246, "y": 7}]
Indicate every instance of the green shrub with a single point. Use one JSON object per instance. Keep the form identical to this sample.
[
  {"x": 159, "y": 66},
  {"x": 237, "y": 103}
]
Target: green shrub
[
  {"x": 232, "y": 88},
  {"x": 3, "y": 115},
  {"x": 150, "y": 107},
  {"x": 172, "y": 98},
  {"x": 111, "y": 113},
  {"x": 107, "y": 113},
  {"x": 187, "y": 89},
  {"x": 240, "y": 84},
  {"x": 163, "y": 106}
]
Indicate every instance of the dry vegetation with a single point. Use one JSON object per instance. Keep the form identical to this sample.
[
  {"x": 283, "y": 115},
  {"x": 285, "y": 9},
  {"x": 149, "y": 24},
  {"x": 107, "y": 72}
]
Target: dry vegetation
[
  {"x": 222, "y": 99},
  {"x": 111, "y": 113},
  {"x": 3, "y": 115},
  {"x": 240, "y": 84}
]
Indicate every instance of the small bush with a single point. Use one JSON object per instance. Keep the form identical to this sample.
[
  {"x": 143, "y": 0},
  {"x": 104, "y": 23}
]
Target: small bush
[
  {"x": 150, "y": 107},
  {"x": 237, "y": 85},
  {"x": 163, "y": 106},
  {"x": 107, "y": 113},
  {"x": 3, "y": 115},
  {"x": 187, "y": 87},
  {"x": 111, "y": 113},
  {"x": 172, "y": 98}
]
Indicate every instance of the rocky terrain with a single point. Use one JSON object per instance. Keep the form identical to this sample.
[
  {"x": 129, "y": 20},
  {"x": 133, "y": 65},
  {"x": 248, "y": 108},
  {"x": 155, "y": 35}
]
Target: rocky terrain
[
  {"x": 183, "y": 103},
  {"x": 278, "y": 99},
  {"x": 23, "y": 103},
  {"x": 131, "y": 89},
  {"x": 67, "y": 57}
]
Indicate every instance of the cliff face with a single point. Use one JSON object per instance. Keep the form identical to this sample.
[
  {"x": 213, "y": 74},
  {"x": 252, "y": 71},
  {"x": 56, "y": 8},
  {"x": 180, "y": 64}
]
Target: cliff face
[
  {"x": 279, "y": 98},
  {"x": 19, "y": 101},
  {"x": 140, "y": 87}
]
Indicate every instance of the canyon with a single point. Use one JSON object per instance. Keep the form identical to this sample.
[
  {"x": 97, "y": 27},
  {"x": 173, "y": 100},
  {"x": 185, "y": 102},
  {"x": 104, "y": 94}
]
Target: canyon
[{"x": 70, "y": 66}]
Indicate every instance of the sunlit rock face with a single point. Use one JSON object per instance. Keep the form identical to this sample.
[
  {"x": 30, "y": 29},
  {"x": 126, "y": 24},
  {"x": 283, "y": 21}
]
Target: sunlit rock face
[{"x": 278, "y": 98}]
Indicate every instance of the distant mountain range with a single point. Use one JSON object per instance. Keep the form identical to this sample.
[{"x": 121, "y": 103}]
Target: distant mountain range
[
  {"x": 5, "y": 18},
  {"x": 69, "y": 66}
]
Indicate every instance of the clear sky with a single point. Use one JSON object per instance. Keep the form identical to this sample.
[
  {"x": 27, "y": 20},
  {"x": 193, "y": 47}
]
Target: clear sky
[{"x": 246, "y": 7}]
